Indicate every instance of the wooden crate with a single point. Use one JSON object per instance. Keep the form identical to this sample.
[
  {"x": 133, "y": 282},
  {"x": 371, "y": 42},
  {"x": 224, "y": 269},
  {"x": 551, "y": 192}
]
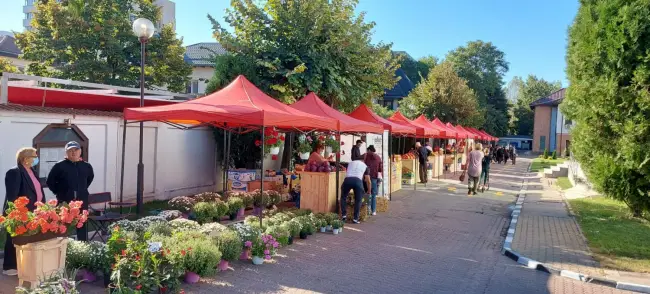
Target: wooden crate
[{"x": 318, "y": 190}]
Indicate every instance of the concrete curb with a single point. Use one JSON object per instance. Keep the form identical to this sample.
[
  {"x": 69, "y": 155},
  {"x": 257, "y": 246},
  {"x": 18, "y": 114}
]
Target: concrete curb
[{"x": 533, "y": 264}]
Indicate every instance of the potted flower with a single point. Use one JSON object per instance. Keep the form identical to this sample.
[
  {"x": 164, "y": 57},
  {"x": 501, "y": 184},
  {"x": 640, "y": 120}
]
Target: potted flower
[
  {"x": 263, "y": 248},
  {"x": 260, "y": 200},
  {"x": 213, "y": 230},
  {"x": 183, "y": 204},
  {"x": 170, "y": 214},
  {"x": 331, "y": 145},
  {"x": 207, "y": 197},
  {"x": 322, "y": 224},
  {"x": 229, "y": 244},
  {"x": 235, "y": 207},
  {"x": 272, "y": 141},
  {"x": 183, "y": 225},
  {"x": 336, "y": 225},
  {"x": 307, "y": 227},
  {"x": 304, "y": 147},
  {"x": 293, "y": 228},
  {"x": 59, "y": 282},
  {"x": 78, "y": 259},
  {"x": 199, "y": 255},
  {"x": 205, "y": 212},
  {"x": 279, "y": 232},
  {"x": 247, "y": 235},
  {"x": 222, "y": 209}
]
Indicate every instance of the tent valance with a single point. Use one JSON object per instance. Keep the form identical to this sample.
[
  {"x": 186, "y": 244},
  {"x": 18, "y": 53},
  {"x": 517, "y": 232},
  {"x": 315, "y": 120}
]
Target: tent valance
[
  {"x": 450, "y": 132},
  {"x": 240, "y": 104},
  {"x": 423, "y": 121},
  {"x": 366, "y": 114},
  {"x": 313, "y": 105},
  {"x": 420, "y": 131}
]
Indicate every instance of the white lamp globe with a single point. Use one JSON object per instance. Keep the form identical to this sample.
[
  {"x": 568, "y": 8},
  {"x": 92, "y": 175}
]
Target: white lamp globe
[{"x": 143, "y": 28}]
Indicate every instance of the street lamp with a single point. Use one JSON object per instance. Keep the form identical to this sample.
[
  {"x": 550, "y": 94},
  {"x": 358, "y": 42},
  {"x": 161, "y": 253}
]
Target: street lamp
[{"x": 143, "y": 29}]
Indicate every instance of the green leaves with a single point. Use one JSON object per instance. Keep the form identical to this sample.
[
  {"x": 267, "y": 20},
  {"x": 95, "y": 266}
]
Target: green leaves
[{"x": 528, "y": 91}]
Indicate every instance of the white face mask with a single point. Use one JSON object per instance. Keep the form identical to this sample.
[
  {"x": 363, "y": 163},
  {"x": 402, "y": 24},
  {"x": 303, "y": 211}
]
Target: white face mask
[{"x": 35, "y": 162}]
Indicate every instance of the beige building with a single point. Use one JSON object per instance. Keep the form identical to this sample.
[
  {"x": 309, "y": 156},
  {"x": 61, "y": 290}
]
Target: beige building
[
  {"x": 200, "y": 57},
  {"x": 167, "y": 8}
]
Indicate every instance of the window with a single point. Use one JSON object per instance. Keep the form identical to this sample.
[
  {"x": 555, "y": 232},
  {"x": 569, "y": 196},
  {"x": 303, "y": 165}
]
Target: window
[
  {"x": 49, "y": 144},
  {"x": 542, "y": 143},
  {"x": 195, "y": 87},
  {"x": 387, "y": 103},
  {"x": 568, "y": 122}
]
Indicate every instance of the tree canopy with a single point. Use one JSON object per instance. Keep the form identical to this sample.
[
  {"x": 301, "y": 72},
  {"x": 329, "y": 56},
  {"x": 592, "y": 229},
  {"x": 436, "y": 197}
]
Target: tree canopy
[
  {"x": 608, "y": 67},
  {"x": 92, "y": 41},
  {"x": 528, "y": 91},
  {"x": 300, "y": 46},
  {"x": 415, "y": 70},
  {"x": 445, "y": 95},
  {"x": 483, "y": 65},
  {"x": 7, "y": 66}
]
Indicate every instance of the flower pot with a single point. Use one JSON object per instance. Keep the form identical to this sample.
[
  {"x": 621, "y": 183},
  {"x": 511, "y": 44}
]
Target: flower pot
[
  {"x": 290, "y": 240},
  {"x": 329, "y": 228},
  {"x": 328, "y": 150},
  {"x": 223, "y": 265},
  {"x": 233, "y": 216},
  {"x": 340, "y": 230},
  {"x": 335, "y": 231},
  {"x": 274, "y": 150},
  {"x": 310, "y": 233},
  {"x": 240, "y": 213},
  {"x": 257, "y": 210},
  {"x": 86, "y": 276},
  {"x": 23, "y": 240},
  {"x": 245, "y": 254},
  {"x": 107, "y": 279},
  {"x": 303, "y": 235},
  {"x": 39, "y": 260},
  {"x": 191, "y": 278},
  {"x": 258, "y": 260},
  {"x": 304, "y": 156},
  {"x": 323, "y": 229}
]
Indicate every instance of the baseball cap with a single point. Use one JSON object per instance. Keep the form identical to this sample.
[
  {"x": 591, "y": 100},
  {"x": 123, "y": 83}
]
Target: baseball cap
[{"x": 72, "y": 144}]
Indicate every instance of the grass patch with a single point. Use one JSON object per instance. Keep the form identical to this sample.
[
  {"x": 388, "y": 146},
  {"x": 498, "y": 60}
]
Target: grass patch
[
  {"x": 564, "y": 183},
  {"x": 540, "y": 164},
  {"x": 618, "y": 240}
]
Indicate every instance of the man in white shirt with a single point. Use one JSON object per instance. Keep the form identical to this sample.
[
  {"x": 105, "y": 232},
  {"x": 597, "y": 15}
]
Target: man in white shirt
[{"x": 357, "y": 172}]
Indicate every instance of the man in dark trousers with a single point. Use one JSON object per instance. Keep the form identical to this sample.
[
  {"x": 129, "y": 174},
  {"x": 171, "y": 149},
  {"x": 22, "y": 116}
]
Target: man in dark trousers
[
  {"x": 356, "y": 151},
  {"x": 423, "y": 155},
  {"x": 69, "y": 180}
]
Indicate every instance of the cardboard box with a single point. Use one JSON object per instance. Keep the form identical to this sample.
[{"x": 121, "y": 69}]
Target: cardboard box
[
  {"x": 242, "y": 175},
  {"x": 237, "y": 186}
]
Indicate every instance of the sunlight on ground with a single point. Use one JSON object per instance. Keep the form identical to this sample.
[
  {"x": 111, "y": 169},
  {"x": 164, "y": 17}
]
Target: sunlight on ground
[{"x": 408, "y": 248}]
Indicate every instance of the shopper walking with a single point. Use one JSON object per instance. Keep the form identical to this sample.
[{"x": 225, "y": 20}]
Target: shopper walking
[
  {"x": 485, "y": 168},
  {"x": 357, "y": 173},
  {"x": 474, "y": 164},
  {"x": 423, "y": 155},
  {"x": 375, "y": 170},
  {"x": 69, "y": 180},
  {"x": 513, "y": 154},
  {"x": 20, "y": 180}
]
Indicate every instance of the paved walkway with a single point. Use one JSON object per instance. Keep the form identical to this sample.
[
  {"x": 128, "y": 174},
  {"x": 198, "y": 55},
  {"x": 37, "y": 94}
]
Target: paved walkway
[{"x": 433, "y": 240}]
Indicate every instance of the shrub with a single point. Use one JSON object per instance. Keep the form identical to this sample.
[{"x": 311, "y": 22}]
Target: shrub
[
  {"x": 207, "y": 197},
  {"x": 181, "y": 225},
  {"x": 234, "y": 205},
  {"x": 294, "y": 227},
  {"x": 205, "y": 212},
  {"x": 545, "y": 153},
  {"x": 222, "y": 209},
  {"x": 170, "y": 214},
  {"x": 213, "y": 229},
  {"x": 230, "y": 245},
  {"x": 198, "y": 255},
  {"x": 163, "y": 229},
  {"x": 554, "y": 155},
  {"x": 182, "y": 203},
  {"x": 77, "y": 255}
]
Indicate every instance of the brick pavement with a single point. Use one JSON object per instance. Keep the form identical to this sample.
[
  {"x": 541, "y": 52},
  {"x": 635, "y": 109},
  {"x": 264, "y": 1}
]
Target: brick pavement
[{"x": 434, "y": 240}]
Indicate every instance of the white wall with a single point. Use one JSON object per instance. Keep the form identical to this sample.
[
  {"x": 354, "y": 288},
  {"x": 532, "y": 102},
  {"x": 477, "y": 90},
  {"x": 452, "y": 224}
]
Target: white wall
[
  {"x": 176, "y": 162},
  {"x": 203, "y": 75}
]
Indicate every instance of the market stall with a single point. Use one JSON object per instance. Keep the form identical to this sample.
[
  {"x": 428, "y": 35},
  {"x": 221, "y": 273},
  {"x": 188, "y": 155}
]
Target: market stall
[{"x": 435, "y": 158}]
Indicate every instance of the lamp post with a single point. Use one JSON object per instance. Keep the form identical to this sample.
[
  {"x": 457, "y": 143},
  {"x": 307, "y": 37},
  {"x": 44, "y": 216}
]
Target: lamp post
[{"x": 143, "y": 29}]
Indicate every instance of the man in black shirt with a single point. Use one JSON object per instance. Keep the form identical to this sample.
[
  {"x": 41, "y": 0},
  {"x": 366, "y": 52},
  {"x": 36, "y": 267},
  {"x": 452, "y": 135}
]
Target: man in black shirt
[
  {"x": 423, "y": 155},
  {"x": 69, "y": 180},
  {"x": 356, "y": 151}
]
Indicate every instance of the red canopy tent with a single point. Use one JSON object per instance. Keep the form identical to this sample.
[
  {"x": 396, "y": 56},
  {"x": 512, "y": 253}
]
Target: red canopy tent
[
  {"x": 462, "y": 133},
  {"x": 364, "y": 113},
  {"x": 423, "y": 121},
  {"x": 491, "y": 138},
  {"x": 450, "y": 132},
  {"x": 313, "y": 105},
  {"x": 467, "y": 133},
  {"x": 420, "y": 131},
  {"x": 240, "y": 104},
  {"x": 480, "y": 135}
]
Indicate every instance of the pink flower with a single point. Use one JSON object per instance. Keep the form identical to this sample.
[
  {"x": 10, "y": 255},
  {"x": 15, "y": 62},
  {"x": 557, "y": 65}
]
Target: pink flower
[
  {"x": 267, "y": 257},
  {"x": 267, "y": 252},
  {"x": 52, "y": 202},
  {"x": 248, "y": 244},
  {"x": 275, "y": 244}
]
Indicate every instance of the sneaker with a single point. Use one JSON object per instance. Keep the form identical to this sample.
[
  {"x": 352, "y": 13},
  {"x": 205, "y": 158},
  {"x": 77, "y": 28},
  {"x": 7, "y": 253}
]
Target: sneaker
[
  {"x": 356, "y": 221},
  {"x": 374, "y": 213},
  {"x": 475, "y": 193},
  {"x": 344, "y": 218},
  {"x": 11, "y": 272}
]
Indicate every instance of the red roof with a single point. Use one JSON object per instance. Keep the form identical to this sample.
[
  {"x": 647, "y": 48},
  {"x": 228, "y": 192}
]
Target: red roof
[
  {"x": 61, "y": 98},
  {"x": 364, "y": 113},
  {"x": 238, "y": 104},
  {"x": 450, "y": 132},
  {"x": 420, "y": 130},
  {"x": 313, "y": 105},
  {"x": 423, "y": 121}
]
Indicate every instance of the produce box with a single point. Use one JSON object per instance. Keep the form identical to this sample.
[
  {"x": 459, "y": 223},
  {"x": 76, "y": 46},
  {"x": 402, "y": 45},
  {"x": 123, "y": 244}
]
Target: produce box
[{"x": 382, "y": 204}]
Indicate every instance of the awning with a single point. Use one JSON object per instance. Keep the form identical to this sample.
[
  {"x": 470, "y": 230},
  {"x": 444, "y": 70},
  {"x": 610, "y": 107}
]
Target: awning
[
  {"x": 313, "y": 105},
  {"x": 450, "y": 132},
  {"x": 240, "y": 104},
  {"x": 423, "y": 121},
  {"x": 420, "y": 131},
  {"x": 366, "y": 114}
]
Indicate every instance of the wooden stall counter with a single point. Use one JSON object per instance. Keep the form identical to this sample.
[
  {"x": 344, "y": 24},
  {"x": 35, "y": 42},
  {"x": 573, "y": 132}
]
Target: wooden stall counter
[
  {"x": 409, "y": 167},
  {"x": 396, "y": 176},
  {"x": 318, "y": 190}
]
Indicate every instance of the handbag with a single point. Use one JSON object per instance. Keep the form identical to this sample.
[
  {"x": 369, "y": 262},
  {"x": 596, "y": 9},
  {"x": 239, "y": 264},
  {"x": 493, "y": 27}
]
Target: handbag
[{"x": 462, "y": 177}]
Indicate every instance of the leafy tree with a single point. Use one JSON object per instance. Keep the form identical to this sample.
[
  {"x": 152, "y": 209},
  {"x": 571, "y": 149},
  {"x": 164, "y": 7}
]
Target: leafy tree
[
  {"x": 483, "y": 65},
  {"x": 318, "y": 45},
  {"x": 530, "y": 90},
  {"x": 415, "y": 70},
  {"x": 7, "y": 66},
  {"x": 228, "y": 66},
  {"x": 382, "y": 111},
  {"x": 445, "y": 95},
  {"x": 608, "y": 67},
  {"x": 93, "y": 41}
]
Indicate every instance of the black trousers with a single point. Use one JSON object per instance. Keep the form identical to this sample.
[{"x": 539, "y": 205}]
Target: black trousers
[
  {"x": 10, "y": 255},
  {"x": 356, "y": 185},
  {"x": 423, "y": 172}
]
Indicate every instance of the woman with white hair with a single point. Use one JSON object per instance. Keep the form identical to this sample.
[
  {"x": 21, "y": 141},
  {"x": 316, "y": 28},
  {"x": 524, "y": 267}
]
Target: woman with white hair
[{"x": 474, "y": 163}]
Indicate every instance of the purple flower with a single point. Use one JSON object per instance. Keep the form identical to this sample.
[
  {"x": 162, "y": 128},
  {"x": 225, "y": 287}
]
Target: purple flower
[
  {"x": 275, "y": 245},
  {"x": 248, "y": 243},
  {"x": 267, "y": 252},
  {"x": 267, "y": 257}
]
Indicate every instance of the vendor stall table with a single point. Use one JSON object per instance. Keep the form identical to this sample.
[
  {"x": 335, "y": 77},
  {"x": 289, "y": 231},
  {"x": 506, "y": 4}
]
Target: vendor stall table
[
  {"x": 396, "y": 176},
  {"x": 318, "y": 190},
  {"x": 409, "y": 165}
]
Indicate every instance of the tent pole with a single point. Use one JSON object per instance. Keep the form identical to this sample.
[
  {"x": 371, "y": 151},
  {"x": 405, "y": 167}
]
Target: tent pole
[
  {"x": 390, "y": 167},
  {"x": 416, "y": 173},
  {"x": 383, "y": 190},
  {"x": 224, "y": 177},
  {"x": 228, "y": 156},
  {"x": 122, "y": 169},
  {"x": 262, "y": 175},
  {"x": 338, "y": 159}
]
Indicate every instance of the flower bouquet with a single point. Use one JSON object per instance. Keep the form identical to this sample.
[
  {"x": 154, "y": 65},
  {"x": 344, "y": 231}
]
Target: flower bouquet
[{"x": 47, "y": 221}]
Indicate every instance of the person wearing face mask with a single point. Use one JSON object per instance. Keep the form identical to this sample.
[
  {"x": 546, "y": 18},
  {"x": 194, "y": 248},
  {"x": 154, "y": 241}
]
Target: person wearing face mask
[
  {"x": 21, "y": 180},
  {"x": 69, "y": 180}
]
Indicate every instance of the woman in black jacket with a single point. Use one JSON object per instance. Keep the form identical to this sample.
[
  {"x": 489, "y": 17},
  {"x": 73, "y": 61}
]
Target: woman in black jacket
[{"x": 21, "y": 180}]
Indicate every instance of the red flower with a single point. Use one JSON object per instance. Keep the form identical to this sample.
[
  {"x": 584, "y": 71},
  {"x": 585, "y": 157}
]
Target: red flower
[
  {"x": 274, "y": 157},
  {"x": 2, "y": 219},
  {"x": 282, "y": 138},
  {"x": 21, "y": 230},
  {"x": 183, "y": 252},
  {"x": 272, "y": 141},
  {"x": 123, "y": 252},
  {"x": 189, "y": 248},
  {"x": 342, "y": 143},
  {"x": 138, "y": 287},
  {"x": 52, "y": 202},
  {"x": 137, "y": 258},
  {"x": 258, "y": 143}
]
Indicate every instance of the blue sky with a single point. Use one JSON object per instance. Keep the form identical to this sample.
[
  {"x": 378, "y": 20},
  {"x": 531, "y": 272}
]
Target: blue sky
[{"x": 531, "y": 33}]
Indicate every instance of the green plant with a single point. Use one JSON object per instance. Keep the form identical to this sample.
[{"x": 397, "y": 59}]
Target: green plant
[
  {"x": 181, "y": 224},
  {"x": 337, "y": 224},
  {"x": 205, "y": 211},
  {"x": 230, "y": 245},
  {"x": 331, "y": 142},
  {"x": 260, "y": 199},
  {"x": 554, "y": 155},
  {"x": 213, "y": 229},
  {"x": 306, "y": 224},
  {"x": 99, "y": 257},
  {"x": 294, "y": 227},
  {"x": 280, "y": 233},
  {"x": 221, "y": 209},
  {"x": 198, "y": 254},
  {"x": 159, "y": 228},
  {"x": 248, "y": 200},
  {"x": 545, "y": 153},
  {"x": 234, "y": 205},
  {"x": 77, "y": 255},
  {"x": 302, "y": 212}
]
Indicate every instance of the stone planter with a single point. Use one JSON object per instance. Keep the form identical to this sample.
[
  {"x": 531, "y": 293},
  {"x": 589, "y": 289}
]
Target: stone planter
[{"x": 39, "y": 260}]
